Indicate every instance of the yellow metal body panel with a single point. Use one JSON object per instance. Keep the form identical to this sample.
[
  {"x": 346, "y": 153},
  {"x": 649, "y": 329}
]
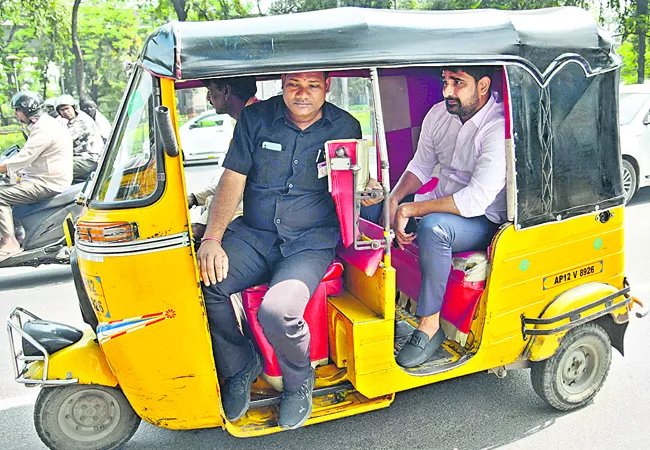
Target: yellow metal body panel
[
  {"x": 82, "y": 360},
  {"x": 543, "y": 347},
  {"x": 165, "y": 367},
  {"x": 520, "y": 262}
]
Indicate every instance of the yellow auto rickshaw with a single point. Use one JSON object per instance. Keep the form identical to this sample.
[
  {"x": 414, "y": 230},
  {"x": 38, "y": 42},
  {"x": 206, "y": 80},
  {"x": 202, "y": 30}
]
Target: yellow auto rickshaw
[{"x": 550, "y": 294}]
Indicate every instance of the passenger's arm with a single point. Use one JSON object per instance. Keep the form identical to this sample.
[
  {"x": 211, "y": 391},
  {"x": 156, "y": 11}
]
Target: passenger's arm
[{"x": 213, "y": 261}]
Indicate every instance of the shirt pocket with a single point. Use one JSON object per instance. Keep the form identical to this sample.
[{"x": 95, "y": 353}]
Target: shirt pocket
[{"x": 269, "y": 166}]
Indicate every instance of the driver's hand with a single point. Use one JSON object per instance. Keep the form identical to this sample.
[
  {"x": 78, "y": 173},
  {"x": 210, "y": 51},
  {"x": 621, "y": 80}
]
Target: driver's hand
[
  {"x": 373, "y": 185},
  {"x": 213, "y": 262}
]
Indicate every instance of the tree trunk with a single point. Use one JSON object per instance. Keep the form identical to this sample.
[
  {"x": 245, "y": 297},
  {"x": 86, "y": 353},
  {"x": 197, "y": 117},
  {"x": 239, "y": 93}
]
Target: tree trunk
[
  {"x": 181, "y": 9},
  {"x": 79, "y": 58},
  {"x": 642, "y": 16}
]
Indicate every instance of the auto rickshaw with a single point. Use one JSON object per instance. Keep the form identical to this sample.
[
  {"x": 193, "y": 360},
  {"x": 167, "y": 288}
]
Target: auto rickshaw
[{"x": 550, "y": 294}]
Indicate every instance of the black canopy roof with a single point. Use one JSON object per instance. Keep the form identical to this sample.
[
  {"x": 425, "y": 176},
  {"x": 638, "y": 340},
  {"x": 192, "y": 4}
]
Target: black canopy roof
[{"x": 356, "y": 37}]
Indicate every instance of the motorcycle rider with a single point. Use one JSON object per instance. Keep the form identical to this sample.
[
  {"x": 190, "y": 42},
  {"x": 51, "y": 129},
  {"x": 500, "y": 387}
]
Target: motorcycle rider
[
  {"x": 44, "y": 165},
  {"x": 86, "y": 137},
  {"x": 90, "y": 108}
]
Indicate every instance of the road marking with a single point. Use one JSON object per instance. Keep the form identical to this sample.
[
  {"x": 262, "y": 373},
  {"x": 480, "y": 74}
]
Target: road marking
[{"x": 15, "y": 402}]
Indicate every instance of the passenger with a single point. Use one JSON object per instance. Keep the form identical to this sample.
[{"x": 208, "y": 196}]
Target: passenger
[
  {"x": 90, "y": 108},
  {"x": 465, "y": 134},
  {"x": 286, "y": 238},
  {"x": 86, "y": 138},
  {"x": 44, "y": 165},
  {"x": 227, "y": 96}
]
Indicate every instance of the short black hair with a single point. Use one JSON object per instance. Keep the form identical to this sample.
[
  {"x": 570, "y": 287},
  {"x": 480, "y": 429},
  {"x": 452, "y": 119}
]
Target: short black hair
[
  {"x": 476, "y": 72},
  {"x": 241, "y": 87}
]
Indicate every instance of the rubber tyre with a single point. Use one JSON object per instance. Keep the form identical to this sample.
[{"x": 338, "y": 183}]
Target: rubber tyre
[
  {"x": 61, "y": 411},
  {"x": 630, "y": 180},
  {"x": 551, "y": 378}
]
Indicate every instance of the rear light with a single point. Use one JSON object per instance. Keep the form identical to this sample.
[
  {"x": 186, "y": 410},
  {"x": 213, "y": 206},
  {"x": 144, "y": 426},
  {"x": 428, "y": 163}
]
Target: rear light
[{"x": 107, "y": 232}]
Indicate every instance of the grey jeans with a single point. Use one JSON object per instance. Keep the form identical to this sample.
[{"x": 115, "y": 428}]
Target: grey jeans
[
  {"x": 292, "y": 279},
  {"x": 23, "y": 193},
  {"x": 81, "y": 167}
]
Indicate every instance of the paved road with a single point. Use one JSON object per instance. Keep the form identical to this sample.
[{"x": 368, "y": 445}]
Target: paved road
[{"x": 474, "y": 412}]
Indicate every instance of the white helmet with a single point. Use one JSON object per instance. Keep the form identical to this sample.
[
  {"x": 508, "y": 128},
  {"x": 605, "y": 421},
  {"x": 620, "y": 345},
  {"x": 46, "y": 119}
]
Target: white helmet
[{"x": 66, "y": 100}]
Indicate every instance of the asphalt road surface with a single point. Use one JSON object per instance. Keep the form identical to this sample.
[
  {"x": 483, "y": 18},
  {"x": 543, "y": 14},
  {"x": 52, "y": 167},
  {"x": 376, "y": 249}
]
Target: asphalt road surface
[{"x": 474, "y": 412}]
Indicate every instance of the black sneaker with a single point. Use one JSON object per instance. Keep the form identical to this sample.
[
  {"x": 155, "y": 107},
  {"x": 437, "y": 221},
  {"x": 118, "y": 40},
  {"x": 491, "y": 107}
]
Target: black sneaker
[
  {"x": 295, "y": 407},
  {"x": 236, "y": 392}
]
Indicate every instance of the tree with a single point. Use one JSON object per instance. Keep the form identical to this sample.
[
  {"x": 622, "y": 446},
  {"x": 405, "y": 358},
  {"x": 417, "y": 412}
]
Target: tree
[{"x": 78, "y": 55}]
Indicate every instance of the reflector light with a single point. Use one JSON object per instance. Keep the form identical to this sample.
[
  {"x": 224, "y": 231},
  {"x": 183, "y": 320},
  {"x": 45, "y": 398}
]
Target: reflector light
[{"x": 107, "y": 232}]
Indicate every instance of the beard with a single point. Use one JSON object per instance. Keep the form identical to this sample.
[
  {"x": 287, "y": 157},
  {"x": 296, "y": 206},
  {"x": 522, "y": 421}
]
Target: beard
[{"x": 462, "y": 109}]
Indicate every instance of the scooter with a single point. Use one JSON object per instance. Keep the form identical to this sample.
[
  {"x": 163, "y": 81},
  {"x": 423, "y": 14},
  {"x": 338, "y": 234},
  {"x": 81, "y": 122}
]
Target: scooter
[{"x": 44, "y": 237}]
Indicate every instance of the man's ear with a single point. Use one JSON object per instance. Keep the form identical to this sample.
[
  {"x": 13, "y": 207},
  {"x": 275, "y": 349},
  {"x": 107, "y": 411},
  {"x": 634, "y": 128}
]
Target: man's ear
[
  {"x": 327, "y": 84},
  {"x": 483, "y": 85},
  {"x": 227, "y": 90},
  {"x": 283, "y": 77}
]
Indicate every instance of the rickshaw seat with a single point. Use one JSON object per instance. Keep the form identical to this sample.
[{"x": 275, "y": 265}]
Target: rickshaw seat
[
  {"x": 315, "y": 316},
  {"x": 464, "y": 287}
]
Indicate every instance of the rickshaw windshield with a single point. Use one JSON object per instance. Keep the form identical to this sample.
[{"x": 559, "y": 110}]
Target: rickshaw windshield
[{"x": 129, "y": 172}]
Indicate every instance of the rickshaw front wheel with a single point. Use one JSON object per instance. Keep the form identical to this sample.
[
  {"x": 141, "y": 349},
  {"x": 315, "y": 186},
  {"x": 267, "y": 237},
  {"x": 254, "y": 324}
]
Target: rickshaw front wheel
[
  {"x": 575, "y": 373},
  {"x": 84, "y": 417}
]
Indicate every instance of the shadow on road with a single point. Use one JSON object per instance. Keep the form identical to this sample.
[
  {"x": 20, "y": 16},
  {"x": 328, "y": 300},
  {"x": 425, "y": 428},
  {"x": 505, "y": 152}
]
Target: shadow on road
[
  {"x": 474, "y": 412},
  {"x": 26, "y": 278}
]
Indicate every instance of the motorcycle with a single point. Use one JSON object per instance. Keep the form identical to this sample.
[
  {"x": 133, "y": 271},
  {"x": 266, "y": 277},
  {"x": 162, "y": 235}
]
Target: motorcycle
[{"x": 44, "y": 239}]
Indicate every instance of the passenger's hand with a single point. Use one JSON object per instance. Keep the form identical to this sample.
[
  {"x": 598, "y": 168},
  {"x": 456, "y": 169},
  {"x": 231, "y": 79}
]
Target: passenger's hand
[
  {"x": 373, "y": 185},
  {"x": 190, "y": 201},
  {"x": 401, "y": 220},
  {"x": 213, "y": 262}
]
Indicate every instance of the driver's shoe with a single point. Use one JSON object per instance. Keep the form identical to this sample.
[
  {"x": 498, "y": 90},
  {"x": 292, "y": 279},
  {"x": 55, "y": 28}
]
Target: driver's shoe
[
  {"x": 295, "y": 407},
  {"x": 236, "y": 393}
]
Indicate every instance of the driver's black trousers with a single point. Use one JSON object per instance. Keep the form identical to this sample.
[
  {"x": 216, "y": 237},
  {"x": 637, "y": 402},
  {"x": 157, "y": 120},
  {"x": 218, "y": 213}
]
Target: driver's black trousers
[{"x": 292, "y": 281}]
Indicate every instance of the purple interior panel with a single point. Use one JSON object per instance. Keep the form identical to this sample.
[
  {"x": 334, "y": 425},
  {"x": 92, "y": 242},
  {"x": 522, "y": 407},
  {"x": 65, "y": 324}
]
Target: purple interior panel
[{"x": 400, "y": 152}]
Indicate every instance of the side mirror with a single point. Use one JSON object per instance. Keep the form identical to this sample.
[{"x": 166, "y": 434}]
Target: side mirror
[{"x": 193, "y": 126}]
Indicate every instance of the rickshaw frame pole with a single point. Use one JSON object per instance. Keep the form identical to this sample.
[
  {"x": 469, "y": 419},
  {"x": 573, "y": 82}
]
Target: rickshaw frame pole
[{"x": 383, "y": 155}]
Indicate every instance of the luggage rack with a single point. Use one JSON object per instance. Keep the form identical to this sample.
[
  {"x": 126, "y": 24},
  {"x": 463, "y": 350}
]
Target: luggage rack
[{"x": 15, "y": 320}]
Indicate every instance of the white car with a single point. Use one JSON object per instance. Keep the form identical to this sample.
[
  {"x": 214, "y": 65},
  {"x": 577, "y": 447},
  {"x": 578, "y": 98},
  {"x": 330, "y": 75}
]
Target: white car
[
  {"x": 206, "y": 136},
  {"x": 635, "y": 137}
]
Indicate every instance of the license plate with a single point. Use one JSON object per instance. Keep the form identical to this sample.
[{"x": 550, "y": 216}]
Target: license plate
[
  {"x": 95, "y": 293},
  {"x": 572, "y": 275}
]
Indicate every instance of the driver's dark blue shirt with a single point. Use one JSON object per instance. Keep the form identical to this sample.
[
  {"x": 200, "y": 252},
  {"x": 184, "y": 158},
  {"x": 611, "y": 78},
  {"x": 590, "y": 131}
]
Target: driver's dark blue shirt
[{"x": 284, "y": 198}]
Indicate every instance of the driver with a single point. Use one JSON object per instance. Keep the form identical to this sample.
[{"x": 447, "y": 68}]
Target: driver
[
  {"x": 44, "y": 165},
  {"x": 286, "y": 237},
  {"x": 86, "y": 137}
]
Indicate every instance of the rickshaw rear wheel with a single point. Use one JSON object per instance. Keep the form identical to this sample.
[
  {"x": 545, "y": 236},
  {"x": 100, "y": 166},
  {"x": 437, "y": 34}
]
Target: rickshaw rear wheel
[
  {"x": 84, "y": 417},
  {"x": 575, "y": 373}
]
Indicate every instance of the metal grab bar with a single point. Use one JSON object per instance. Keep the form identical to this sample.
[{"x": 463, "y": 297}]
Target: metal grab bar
[{"x": 15, "y": 324}]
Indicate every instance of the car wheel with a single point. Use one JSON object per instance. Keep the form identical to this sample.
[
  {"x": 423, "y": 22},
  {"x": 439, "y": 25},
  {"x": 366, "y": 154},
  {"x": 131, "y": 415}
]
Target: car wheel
[
  {"x": 575, "y": 373},
  {"x": 630, "y": 180},
  {"x": 84, "y": 417}
]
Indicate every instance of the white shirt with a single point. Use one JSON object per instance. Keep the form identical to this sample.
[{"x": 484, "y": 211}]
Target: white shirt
[
  {"x": 46, "y": 158},
  {"x": 472, "y": 159},
  {"x": 103, "y": 124}
]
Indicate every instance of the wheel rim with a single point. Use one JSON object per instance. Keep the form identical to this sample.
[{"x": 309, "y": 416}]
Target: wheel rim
[
  {"x": 89, "y": 415},
  {"x": 580, "y": 368},
  {"x": 627, "y": 182}
]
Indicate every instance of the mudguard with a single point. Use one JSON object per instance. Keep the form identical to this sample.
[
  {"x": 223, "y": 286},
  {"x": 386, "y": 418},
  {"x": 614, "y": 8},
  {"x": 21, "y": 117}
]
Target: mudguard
[
  {"x": 582, "y": 304},
  {"x": 83, "y": 361}
]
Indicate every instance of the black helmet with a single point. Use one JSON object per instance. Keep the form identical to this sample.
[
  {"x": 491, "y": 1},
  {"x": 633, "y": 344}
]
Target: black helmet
[{"x": 30, "y": 103}]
